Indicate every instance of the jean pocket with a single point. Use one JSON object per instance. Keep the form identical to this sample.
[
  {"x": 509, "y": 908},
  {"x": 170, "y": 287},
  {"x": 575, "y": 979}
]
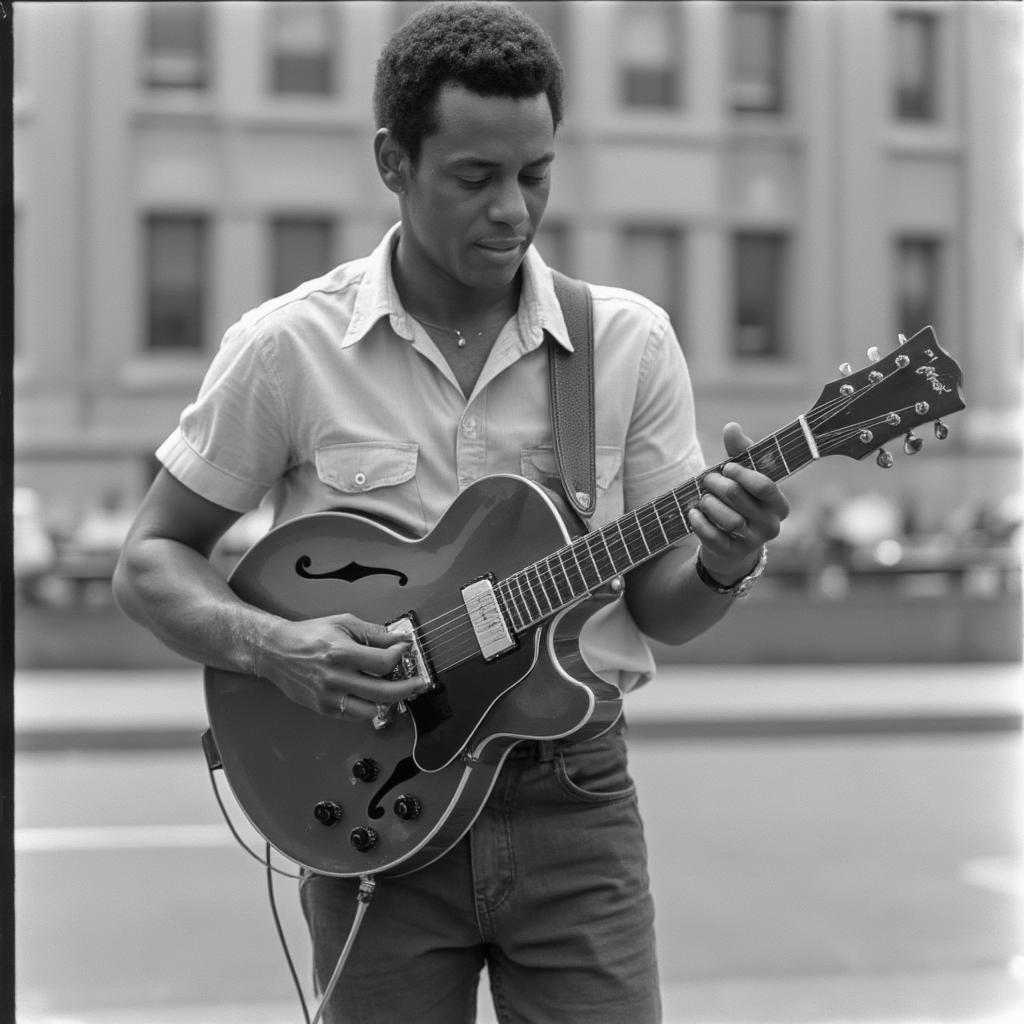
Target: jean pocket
[{"x": 596, "y": 772}]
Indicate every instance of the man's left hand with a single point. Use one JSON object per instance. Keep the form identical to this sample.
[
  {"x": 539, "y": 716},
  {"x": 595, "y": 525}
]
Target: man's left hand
[{"x": 741, "y": 510}]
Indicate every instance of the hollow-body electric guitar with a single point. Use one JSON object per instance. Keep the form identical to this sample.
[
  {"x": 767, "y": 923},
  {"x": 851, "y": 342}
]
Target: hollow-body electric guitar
[{"x": 495, "y": 597}]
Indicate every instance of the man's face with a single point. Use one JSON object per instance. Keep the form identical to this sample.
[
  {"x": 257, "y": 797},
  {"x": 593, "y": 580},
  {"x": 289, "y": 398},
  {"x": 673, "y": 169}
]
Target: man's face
[{"x": 478, "y": 193}]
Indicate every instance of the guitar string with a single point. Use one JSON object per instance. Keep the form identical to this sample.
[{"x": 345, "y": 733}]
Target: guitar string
[
  {"x": 458, "y": 644},
  {"x": 444, "y": 642},
  {"x": 521, "y": 578},
  {"x": 458, "y": 618}
]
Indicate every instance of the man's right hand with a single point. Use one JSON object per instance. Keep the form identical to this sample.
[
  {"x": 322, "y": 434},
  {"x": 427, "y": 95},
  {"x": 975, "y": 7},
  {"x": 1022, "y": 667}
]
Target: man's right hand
[{"x": 336, "y": 665}]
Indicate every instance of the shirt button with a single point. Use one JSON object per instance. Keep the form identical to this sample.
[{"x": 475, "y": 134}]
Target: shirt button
[
  {"x": 469, "y": 427},
  {"x": 360, "y": 479}
]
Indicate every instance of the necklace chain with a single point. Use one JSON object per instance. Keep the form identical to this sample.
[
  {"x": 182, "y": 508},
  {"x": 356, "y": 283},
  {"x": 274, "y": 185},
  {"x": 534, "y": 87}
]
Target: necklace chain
[{"x": 460, "y": 338}]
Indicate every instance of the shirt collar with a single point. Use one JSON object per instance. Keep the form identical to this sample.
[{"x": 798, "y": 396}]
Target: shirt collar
[{"x": 377, "y": 297}]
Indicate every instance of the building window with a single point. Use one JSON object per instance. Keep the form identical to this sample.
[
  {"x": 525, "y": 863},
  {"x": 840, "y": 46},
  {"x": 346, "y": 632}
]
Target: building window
[
  {"x": 176, "y": 282},
  {"x": 652, "y": 264},
  {"x": 301, "y": 248},
  {"x": 649, "y": 45},
  {"x": 915, "y": 91},
  {"x": 176, "y": 51},
  {"x": 758, "y": 57},
  {"x": 761, "y": 287},
  {"x": 303, "y": 48},
  {"x": 918, "y": 283}
]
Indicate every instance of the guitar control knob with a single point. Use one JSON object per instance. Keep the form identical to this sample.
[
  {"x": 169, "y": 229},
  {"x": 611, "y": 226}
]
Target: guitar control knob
[
  {"x": 365, "y": 769},
  {"x": 408, "y": 807},
  {"x": 885, "y": 459},
  {"x": 327, "y": 812},
  {"x": 363, "y": 838},
  {"x": 941, "y": 430}
]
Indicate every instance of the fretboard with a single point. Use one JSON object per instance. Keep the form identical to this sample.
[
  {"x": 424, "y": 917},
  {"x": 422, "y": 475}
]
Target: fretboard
[{"x": 541, "y": 590}]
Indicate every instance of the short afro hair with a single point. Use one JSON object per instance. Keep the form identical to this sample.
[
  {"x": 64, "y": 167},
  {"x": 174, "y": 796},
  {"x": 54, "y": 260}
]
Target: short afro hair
[{"x": 492, "y": 49}]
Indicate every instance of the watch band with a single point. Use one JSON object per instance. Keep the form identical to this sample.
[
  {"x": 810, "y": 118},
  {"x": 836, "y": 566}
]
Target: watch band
[{"x": 742, "y": 586}]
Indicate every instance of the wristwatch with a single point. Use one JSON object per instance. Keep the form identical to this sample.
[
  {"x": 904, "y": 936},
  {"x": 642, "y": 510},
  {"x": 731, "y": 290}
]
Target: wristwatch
[{"x": 741, "y": 587}]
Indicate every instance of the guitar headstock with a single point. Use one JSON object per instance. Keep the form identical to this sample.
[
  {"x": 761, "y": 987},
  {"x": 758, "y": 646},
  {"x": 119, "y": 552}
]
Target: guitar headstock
[{"x": 856, "y": 414}]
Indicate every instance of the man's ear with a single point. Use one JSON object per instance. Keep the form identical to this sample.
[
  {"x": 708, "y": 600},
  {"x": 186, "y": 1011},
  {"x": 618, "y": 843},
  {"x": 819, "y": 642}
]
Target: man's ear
[{"x": 393, "y": 162}]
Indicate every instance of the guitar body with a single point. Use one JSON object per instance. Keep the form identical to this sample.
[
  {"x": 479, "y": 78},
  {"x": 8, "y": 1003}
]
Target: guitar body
[
  {"x": 499, "y": 574},
  {"x": 439, "y": 758}
]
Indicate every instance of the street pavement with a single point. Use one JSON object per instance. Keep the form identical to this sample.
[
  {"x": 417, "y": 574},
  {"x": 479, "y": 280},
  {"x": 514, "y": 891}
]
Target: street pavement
[
  {"x": 131, "y": 711},
  {"x": 61, "y": 709}
]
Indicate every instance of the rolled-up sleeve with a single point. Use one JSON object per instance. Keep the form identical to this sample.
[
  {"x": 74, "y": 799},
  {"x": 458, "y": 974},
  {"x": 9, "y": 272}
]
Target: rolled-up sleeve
[
  {"x": 232, "y": 443},
  {"x": 662, "y": 450}
]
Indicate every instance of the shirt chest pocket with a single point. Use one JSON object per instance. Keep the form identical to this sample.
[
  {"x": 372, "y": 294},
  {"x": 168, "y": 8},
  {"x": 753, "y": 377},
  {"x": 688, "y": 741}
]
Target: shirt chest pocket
[{"x": 377, "y": 477}]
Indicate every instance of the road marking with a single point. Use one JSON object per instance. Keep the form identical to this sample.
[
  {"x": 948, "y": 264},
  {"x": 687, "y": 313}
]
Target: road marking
[{"x": 120, "y": 837}]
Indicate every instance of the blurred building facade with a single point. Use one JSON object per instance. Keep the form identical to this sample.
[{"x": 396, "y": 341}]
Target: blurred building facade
[{"x": 794, "y": 182}]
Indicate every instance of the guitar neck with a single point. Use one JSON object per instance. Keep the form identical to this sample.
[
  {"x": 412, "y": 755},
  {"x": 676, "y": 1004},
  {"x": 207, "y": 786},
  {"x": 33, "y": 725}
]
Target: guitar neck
[{"x": 543, "y": 589}]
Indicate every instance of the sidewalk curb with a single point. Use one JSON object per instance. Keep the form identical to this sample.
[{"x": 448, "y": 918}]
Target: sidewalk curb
[{"x": 164, "y": 709}]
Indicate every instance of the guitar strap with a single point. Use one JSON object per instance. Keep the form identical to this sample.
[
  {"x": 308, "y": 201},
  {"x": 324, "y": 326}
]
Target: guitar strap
[{"x": 572, "y": 397}]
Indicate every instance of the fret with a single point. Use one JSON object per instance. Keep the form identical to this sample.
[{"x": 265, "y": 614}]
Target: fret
[
  {"x": 503, "y": 595},
  {"x": 526, "y": 591},
  {"x": 519, "y": 601},
  {"x": 782, "y": 453},
  {"x": 618, "y": 553},
  {"x": 537, "y": 588},
  {"x": 574, "y": 572},
  {"x": 661, "y": 526},
  {"x": 785, "y": 465},
  {"x": 549, "y": 583},
  {"x": 683, "y": 509},
  {"x": 507, "y": 601},
  {"x": 633, "y": 538},
  {"x": 602, "y": 556},
  {"x": 673, "y": 522},
  {"x": 799, "y": 446},
  {"x": 651, "y": 532},
  {"x": 562, "y": 578},
  {"x": 584, "y": 543}
]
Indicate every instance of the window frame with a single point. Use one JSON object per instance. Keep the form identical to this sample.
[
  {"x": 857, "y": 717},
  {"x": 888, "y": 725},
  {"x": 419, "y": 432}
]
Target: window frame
[
  {"x": 204, "y": 262},
  {"x": 780, "y": 289}
]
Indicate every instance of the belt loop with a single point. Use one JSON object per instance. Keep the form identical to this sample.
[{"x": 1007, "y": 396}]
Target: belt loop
[{"x": 545, "y": 751}]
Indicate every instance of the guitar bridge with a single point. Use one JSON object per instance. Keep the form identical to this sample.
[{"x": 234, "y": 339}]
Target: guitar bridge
[
  {"x": 413, "y": 663},
  {"x": 485, "y": 615}
]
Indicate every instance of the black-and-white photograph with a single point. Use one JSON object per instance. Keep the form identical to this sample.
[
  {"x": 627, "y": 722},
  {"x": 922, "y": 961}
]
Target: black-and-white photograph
[{"x": 518, "y": 512}]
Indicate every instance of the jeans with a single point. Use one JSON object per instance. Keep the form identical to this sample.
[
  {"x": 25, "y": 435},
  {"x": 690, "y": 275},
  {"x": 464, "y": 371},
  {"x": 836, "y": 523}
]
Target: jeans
[{"x": 549, "y": 890}]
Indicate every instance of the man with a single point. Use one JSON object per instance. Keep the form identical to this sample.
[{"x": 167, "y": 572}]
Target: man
[{"x": 386, "y": 387}]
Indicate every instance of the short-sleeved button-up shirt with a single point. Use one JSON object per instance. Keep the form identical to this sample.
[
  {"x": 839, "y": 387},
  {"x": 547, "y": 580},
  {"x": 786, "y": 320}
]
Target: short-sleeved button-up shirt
[{"x": 333, "y": 396}]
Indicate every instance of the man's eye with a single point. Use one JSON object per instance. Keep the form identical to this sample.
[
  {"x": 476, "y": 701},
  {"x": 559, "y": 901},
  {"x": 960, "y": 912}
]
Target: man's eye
[{"x": 472, "y": 182}]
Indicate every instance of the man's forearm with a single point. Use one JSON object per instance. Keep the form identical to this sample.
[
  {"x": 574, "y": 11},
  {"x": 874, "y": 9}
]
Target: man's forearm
[
  {"x": 177, "y": 594},
  {"x": 669, "y": 601}
]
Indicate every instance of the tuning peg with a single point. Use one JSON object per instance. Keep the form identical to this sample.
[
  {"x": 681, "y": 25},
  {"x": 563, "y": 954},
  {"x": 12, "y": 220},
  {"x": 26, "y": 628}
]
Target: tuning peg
[
  {"x": 885, "y": 459},
  {"x": 941, "y": 430},
  {"x": 873, "y": 354},
  {"x": 911, "y": 443},
  {"x": 845, "y": 369},
  {"x": 902, "y": 339}
]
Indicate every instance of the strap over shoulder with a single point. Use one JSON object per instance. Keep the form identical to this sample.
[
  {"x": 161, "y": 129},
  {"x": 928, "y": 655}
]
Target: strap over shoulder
[{"x": 572, "y": 396}]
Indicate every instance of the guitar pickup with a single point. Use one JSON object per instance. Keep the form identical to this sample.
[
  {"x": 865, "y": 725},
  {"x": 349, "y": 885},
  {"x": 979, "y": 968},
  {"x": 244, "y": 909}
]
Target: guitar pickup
[
  {"x": 485, "y": 615},
  {"x": 414, "y": 662}
]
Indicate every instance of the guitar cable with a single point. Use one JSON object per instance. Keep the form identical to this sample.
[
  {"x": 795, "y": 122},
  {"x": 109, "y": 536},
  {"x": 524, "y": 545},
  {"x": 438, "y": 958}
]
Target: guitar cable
[{"x": 367, "y": 888}]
